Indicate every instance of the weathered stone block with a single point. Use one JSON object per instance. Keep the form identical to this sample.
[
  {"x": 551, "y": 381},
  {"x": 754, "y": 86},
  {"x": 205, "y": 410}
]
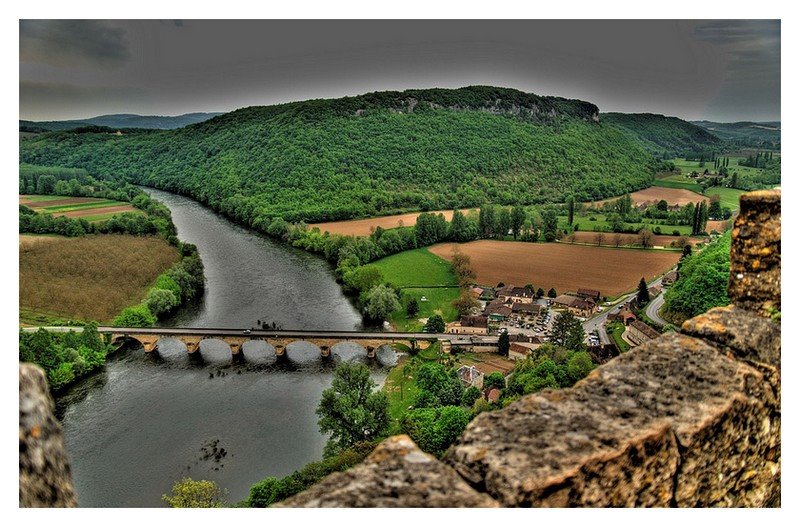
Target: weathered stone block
[
  {"x": 396, "y": 474},
  {"x": 654, "y": 427},
  {"x": 744, "y": 334},
  {"x": 755, "y": 279},
  {"x": 45, "y": 479}
]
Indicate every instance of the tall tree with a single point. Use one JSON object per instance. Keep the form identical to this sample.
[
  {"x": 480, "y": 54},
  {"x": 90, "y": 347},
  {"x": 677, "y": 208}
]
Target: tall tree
[
  {"x": 503, "y": 344},
  {"x": 567, "y": 331},
  {"x": 351, "y": 410},
  {"x": 518, "y": 218},
  {"x": 570, "y": 209},
  {"x": 643, "y": 294},
  {"x": 550, "y": 225},
  {"x": 380, "y": 302}
]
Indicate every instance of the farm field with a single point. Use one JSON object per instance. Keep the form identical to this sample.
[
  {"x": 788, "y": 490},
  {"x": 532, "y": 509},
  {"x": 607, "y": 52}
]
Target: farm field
[
  {"x": 91, "y": 209},
  {"x": 673, "y": 196},
  {"x": 365, "y": 226},
  {"x": 417, "y": 267},
  {"x": 562, "y": 266},
  {"x": 729, "y": 197},
  {"x": 420, "y": 274},
  {"x": 718, "y": 225},
  {"x": 625, "y": 239},
  {"x": 87, "y": 278}
]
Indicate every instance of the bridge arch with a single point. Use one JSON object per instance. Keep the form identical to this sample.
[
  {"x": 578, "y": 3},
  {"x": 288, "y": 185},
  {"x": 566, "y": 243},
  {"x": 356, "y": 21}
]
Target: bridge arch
[
  {"x": 349, "y": 351},
  {"x": 303, "y": 351},
  {"x": 258, "y": 351}
]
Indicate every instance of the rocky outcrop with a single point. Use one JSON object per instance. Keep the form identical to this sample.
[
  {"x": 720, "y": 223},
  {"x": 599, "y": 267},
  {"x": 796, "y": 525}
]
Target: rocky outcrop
[
  {"x": 45, "y": 479},
  {"x": 687, "y": 420},
  {"x": 755, "y": 279},
  {"x": 396, "y": 474}
]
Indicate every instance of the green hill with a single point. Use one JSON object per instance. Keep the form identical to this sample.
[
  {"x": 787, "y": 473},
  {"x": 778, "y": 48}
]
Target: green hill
[
  {"x": 745, "y": 133},
  {"x": 666, "y": 137},
  {"x": 377, "y": 153}
]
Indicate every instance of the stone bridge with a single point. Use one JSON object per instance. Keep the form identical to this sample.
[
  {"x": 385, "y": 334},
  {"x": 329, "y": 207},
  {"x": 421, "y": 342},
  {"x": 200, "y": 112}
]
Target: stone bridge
[{"x": 148, "y": 338}]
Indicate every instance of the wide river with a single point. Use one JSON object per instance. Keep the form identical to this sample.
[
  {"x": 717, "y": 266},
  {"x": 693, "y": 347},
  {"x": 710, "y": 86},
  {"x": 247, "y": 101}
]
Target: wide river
[{"x": 144, "y": 422}]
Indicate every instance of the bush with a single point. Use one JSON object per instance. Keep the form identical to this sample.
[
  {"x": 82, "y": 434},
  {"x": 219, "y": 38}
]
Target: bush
[
  {"x": 161, "y": 301},
  {"x": 189, "y": 493},
  {"x": 135, "y": 317},
  {"x": 60, "y": 376},
  {"x": 272, "y": 490},
  {"x": 435, "y": 429}
]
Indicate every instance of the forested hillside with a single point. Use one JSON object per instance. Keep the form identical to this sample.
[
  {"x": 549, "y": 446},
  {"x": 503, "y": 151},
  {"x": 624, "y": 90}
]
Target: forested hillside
[
  {"x": 373, "y": 154},
  {"x": 745, "y": 133},
  {"x": 666, "y": 137}
]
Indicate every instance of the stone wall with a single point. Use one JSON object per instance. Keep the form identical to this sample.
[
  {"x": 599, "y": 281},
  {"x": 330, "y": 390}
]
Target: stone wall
[
  {"x": 691, "y": 419},
  {"x": 45, "y": 479}
]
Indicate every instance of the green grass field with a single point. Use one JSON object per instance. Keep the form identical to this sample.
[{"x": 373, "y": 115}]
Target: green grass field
[
  {"x": 418, "y": 267},
  {"x": 600, "y": 224},
  {"x": 420, "y": 273},
  {"x": 615, "y": 331},
  {"x": 81, "y": 206},
  {"x": 686, "y": 167},
  {"x": 729, "y": 197},
  {"x": 400, "y": 386}
]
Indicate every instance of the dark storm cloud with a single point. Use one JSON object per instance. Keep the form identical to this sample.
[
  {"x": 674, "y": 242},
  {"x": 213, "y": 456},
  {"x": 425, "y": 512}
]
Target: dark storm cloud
[
  {"x": 85, "y": 101},
  {"x": 703, "y": 69},
  {"x": 733, "y": 31},
  {"x": 72, "y": 43}
]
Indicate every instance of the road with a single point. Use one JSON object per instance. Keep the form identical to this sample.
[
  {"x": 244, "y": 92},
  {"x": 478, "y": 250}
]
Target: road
[
  {"x": 598, "y": 322},
  {"x": 652, "y": 310}
]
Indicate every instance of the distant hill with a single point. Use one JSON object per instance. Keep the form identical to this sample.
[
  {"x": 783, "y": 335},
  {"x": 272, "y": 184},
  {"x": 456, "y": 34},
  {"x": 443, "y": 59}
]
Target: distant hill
[
  {"x": 373, "y": 154},
  {"x": 745, "y": 133},
  {"x": 119, "y": 120},
  {"x": 663, "y": 136}
]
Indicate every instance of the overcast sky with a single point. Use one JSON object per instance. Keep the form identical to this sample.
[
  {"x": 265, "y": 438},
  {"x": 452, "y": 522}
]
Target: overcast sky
[{"x": 723, "y": 70}]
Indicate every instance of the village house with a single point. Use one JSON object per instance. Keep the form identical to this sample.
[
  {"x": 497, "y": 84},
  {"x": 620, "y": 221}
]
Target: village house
[
  {"x": 510, "y": 294},
  {"x": 669, "y": 278},
  {"x": 493, "y": 395},
  {"x": 525, "y": 312},
  {"x": 522, "y": 350},
  {"x": 577, "y": 306},
  {"x": 625, "y": 316},
  {"x": 469, "y": 325},
  {"x": 654, "y": 291},
  {"x": 470, "y": 376},
  {"x": 638, "y": 332},
  {"x": 584, "y": 293},
  {"x": 487, "y": 294}
]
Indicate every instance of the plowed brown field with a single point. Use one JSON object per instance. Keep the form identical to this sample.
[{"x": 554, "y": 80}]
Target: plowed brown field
[
  {"x": 625, "y": 239},
  {"x": 562, "y": 266},
  {"x": 364, "y": 227},
  {"x": 673, "y": 196},
  {"x": 96, "y": 211}
]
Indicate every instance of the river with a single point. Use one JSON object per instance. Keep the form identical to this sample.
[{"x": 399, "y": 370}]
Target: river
[{"x": 144, "y": 422}]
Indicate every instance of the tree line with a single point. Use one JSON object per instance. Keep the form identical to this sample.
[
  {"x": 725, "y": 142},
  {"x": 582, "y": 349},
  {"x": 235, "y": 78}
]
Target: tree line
[{"x": 65, "y": 357}]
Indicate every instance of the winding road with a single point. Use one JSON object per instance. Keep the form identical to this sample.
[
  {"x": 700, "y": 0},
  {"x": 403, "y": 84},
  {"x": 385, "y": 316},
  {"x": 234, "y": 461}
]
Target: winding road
[{"x": 653, "y": 308}]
